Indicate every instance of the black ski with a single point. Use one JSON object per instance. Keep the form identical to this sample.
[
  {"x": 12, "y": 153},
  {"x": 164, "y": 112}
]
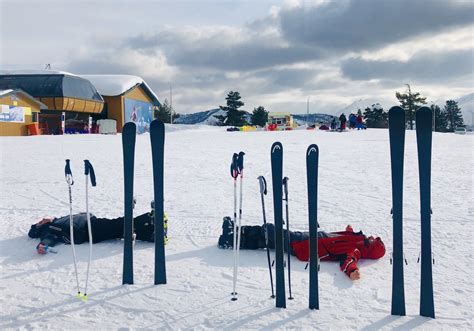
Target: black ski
[
  {"x": 396, "y": 128},
  {"x": 424, "y": 119},
  {"x": 277, "y": 177},
  {"x": 128, "y": 143},
  {"x": 312, "y": 160},
  {"x": 157, "y": 137}
]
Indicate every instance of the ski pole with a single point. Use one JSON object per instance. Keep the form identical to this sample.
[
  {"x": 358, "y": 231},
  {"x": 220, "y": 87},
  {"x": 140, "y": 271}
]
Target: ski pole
[
  {"x": 285, "y": 187},
  {"x": 88, "y": 171},
  {"x": 263, "y": 191},
  {"x": 70, "y": 182},
  {"x": 240, "y": 165},
  {"x": 234, "y": 172}
]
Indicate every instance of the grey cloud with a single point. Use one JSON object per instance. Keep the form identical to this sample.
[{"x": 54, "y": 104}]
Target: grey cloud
[
  {"x": 437, "y": 67},
  {"x": 349, "y": 25},
  {"x": 218, "y": 51}
]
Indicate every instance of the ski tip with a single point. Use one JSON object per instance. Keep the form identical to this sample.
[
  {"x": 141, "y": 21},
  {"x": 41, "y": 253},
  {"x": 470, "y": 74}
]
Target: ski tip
[
  {"x": 313, "y": 148},
  {"x": 129, "y": 126},
  {"x": 276, "y": 146},
  {"x": 423, "y": 113},
  {"x": 156, "y": 124}
]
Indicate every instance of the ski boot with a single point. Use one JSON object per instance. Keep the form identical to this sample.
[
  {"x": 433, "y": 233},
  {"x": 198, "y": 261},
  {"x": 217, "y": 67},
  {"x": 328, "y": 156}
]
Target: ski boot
[{"x": 226, "y": 240}]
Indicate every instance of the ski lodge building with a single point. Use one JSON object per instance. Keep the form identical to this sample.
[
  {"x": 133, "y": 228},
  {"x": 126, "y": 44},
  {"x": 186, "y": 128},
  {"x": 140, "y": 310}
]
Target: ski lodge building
[{"x": 67, "y": 103}]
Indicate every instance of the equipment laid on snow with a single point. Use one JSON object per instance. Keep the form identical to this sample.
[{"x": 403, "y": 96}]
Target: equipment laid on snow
[
  {"x": 312, "y": 161},
  {"x": 263, "y": 191},
  {"x": 396, "y": 127},
  {"x": 277, "y": 178},
  {"x": 424, "y": 117},
  {"x": 287, "y": 218}
]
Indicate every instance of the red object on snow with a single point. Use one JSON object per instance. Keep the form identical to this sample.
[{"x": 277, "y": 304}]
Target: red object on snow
[{"x": 345, "y": 246}]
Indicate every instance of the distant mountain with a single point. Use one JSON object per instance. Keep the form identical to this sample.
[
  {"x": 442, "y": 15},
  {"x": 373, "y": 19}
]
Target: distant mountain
[
  {"x": 466, "y": 103},
  {"x": 207, "y": 118},
  {"x": 203, "y": 117},
  {"x": 364, "y": 103},
  {"x": 311, "y": 119}
]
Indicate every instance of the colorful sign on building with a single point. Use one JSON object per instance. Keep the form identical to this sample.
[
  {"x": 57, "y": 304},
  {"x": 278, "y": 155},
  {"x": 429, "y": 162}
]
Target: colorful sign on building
[
  {"x": 139, "y": 112},
  {"x": 13, "y": 114}
]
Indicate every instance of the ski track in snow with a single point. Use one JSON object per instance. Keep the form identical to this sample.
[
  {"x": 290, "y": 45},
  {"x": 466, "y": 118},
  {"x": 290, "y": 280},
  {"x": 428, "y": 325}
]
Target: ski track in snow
[{"x": 37, "y": 292}]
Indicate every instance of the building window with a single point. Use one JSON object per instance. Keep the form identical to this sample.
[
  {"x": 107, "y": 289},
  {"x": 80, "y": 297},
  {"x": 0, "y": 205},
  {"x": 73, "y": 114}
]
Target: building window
[{"x": 34, "y": 117}]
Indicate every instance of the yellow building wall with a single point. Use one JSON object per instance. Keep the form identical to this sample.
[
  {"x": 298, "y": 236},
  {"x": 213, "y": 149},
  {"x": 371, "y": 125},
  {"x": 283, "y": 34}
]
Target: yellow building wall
[
  {"x": 73, "y": 104},
  {"x": 137, "y": 93},
  {"x": 115, "y": 109},
  {"x": 18, "y": 129}
]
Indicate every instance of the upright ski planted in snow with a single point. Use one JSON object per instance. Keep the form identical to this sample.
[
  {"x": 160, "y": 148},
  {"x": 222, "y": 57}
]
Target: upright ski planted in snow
[
  {"x": 277, "y": 177},
  {"x": 396, "y": 126},
  {"x": 157, "y": 137},
  {"x": 312, "y": 160},
  {"x": 424, "y": 119},
  {"x": 128, "y": 143}
]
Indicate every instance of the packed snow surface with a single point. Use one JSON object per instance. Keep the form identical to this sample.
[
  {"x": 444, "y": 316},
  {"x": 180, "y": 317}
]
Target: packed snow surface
[{"x": 354, "y": 188}]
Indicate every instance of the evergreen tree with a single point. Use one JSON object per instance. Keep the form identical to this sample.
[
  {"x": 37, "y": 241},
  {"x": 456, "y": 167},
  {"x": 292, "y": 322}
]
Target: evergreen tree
[
  {"x": 233, "y": 116},
  {"x": 439, "y": 115},
  {"x": 259, "y": 116},
  {"x": 359, "y": 112},
  {"x": 376, "y": 117},
  {"x": 163, "y": 112},
  {"x": 453, "y": 115},
  {"x": 410, "y": 102}
]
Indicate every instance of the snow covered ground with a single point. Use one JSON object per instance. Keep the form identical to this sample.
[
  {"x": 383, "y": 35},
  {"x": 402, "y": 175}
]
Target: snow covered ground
[{"x": 354, "y": 188}]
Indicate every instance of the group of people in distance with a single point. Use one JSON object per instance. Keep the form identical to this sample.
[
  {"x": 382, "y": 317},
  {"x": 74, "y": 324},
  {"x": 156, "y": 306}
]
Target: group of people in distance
[{"x": 355, "y": 122}]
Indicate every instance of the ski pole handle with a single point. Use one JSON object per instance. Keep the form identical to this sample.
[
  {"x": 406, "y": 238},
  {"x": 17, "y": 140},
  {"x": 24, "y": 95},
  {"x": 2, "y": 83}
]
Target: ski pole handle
[
  {"x": 263, "y": 185},
  {"x": 234, "y": 166},
  {"x": 88, "y": 169},
  {"x": 285, "y": 185},
  {"x": 241, "y": 162},
  {"x": 68, "y": 173}
]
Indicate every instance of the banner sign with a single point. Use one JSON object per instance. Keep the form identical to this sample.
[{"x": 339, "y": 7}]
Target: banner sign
[
  {"x": 139, "y": 112},
  {"x": 13, "y": 114}
]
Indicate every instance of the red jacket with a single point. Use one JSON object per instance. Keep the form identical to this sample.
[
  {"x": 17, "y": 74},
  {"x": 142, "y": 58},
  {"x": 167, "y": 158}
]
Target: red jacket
[{"x": 345, "y": 246}]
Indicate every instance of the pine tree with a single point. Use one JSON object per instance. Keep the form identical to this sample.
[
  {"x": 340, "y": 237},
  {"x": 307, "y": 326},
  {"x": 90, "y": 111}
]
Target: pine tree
[
  {"x": 410, "y": 102},
  {"x": 359, "y": 112},
  {"x": 163, "y": 112},
  {"x": 376, "y": 117},
  {"x": 233, "y": 116},
  {"x": 259, "y": 116},
  {"x": 439, "y": 115},
  {"x": 453, "y": 115}
]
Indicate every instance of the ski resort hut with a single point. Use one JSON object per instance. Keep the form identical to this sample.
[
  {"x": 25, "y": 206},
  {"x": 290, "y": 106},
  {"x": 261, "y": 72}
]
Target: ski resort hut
[
  {"x": 280, "y": 122},
  {"x": 70, "y": 99},
  {"x": 19, "y": 113},
  {"x": 127, "y": 99}
]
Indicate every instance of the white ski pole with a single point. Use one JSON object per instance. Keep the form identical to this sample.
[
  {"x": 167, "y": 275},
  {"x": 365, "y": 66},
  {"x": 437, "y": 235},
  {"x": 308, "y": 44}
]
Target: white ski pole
[
  {"x": 89, "y": 171},
  {"x": 234, "y": 173},
  {"x": 70, "y": 182}
]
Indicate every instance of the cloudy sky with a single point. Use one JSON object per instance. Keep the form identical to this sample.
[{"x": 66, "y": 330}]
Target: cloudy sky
[{"x": 275, "y": 53}]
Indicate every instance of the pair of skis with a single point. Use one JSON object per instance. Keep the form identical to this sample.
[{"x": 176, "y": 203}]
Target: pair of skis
[
  {"x": 157, "y": 137},
  {"x": 89, "y": 172},
  {"x": 312, "y": 159},
  {"x": 423, "y": 117},
  {"x": 236, "y": 169},
  {"x": 263, "y": 192}
]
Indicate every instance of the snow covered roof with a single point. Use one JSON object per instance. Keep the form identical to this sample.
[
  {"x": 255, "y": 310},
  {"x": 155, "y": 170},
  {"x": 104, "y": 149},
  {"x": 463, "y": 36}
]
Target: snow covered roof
[
  {"x": 18, "y": 91},
  {"x": 112, "y": 85},
  {"x": 34, "y": 72}
]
